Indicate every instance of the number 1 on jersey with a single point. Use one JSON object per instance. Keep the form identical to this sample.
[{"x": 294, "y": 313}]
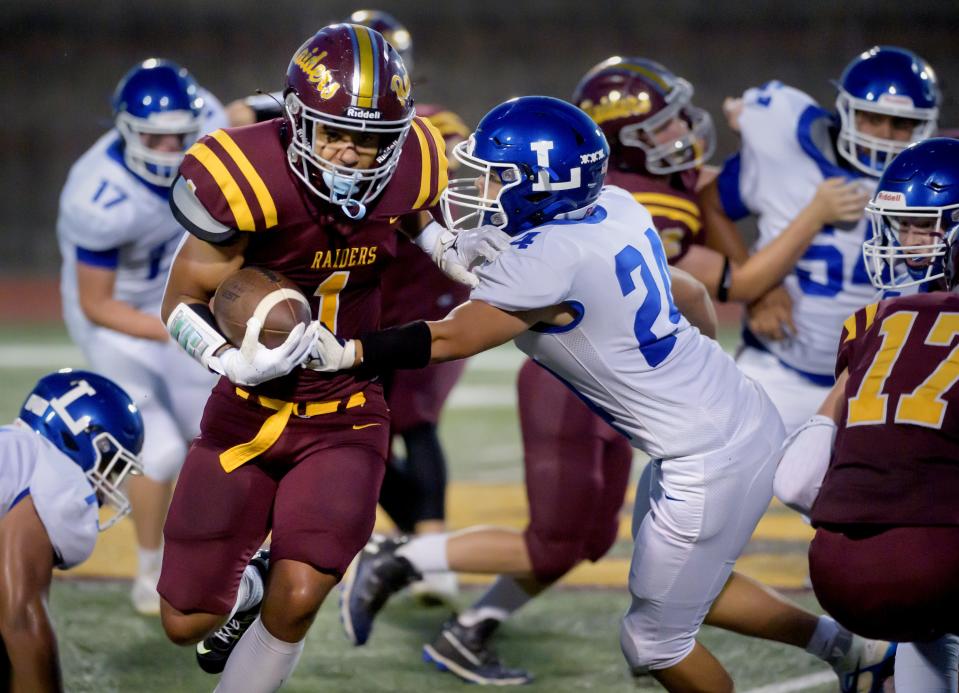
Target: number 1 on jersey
[{"x": 329, "y": 294}]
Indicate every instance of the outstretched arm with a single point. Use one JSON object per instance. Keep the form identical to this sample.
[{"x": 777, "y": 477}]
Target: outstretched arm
[
  {"x": 470, "y": 328},
  {"x": 26, "y": 566}
]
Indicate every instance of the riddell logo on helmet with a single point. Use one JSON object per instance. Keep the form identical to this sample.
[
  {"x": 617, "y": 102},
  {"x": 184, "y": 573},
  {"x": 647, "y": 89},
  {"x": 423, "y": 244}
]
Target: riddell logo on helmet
[
  {"x": 896, "y": 198},
  {"x": 354, "y": 112},
  {"x": 895, "y": 100},
  {"x": 316, "y": 73}
]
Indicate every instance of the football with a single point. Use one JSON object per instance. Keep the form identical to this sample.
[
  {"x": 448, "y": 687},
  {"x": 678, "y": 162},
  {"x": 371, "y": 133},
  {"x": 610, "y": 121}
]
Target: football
[{"x": 275, "y": 299}]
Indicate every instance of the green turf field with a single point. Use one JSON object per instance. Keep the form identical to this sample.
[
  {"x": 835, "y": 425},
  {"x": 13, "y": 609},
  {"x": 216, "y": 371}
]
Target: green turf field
[{"x": 569, "y": 637}]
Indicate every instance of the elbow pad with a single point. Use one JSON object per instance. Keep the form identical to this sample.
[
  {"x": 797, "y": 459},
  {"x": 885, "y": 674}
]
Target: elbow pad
[{"x": 805, "y": 459}]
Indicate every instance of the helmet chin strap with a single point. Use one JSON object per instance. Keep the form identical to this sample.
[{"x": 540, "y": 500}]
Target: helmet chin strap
[{"x": 354, "y": 209}]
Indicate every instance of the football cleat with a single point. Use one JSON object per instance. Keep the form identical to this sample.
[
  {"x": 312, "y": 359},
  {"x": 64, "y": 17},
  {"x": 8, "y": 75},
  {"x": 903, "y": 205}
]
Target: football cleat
[
  {"x": 867, "y": 667},
  {"x": 377, "y": 573},
  {"x": 213, "y": 651},
  {"x": 464, "y": 651}
]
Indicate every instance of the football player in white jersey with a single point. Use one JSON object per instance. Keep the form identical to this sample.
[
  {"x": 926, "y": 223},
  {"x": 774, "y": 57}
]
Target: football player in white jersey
[
  {"x": 76, "y": 439},
  {"x": 584, "y": 289},
  {"x": 888, "y": 98},
  {"x": 117, "y": 239}
]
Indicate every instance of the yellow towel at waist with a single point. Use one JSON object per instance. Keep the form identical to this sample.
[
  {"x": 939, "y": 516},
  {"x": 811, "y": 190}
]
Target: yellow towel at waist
[{"x": 273, "y": 427}]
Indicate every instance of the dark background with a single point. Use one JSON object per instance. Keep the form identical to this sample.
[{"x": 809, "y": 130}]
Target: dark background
[{"x": 60, "y": 59}]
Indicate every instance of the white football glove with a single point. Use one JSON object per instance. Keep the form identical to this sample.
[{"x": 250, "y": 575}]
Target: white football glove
[
  {"x": 459, "y": 253},
  {"x": 329, "y": 353},
  {"x": 253, "y": 363}
]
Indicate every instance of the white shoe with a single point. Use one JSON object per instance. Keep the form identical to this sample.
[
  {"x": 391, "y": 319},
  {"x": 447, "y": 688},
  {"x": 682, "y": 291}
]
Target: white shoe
[
  {"x": 144, "y": 595},
  {"x": 436, "y": 589}
]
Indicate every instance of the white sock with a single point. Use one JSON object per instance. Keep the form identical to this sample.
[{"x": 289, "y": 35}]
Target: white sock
[
  {"x": 498, "y": 602},
  {"x": 260, "y": 662},
  {"x": 830, "y": 641},
  {"x": 148, "y": 562},
  {"x": 427, "y": 553},
  {"x": 250, "y": 591},
  {"x": 929, "y": 667}
]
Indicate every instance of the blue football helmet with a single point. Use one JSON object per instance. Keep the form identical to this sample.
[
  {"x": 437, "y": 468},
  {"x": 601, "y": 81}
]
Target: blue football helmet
[
  {"x": 91, "y": 420},
  {"x": 915, "y": 218},
  {"x": 531, "y": 159},
  {"x": 157, "y": 97},
  {"x": 887, "y": 81}
]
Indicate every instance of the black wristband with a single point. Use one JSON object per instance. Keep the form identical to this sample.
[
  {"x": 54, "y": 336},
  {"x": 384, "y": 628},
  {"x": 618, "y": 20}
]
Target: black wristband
[
  {"x": 407, "y": 346},
  {"x": 725, "y": 281}
]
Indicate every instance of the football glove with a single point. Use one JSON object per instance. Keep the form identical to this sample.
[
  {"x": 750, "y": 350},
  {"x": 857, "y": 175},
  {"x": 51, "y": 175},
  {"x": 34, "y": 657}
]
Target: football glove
[
  {"x": 328, "y": 353},
  {"x": 456, "y": 254},
  {"x": 253, "y": 363}
]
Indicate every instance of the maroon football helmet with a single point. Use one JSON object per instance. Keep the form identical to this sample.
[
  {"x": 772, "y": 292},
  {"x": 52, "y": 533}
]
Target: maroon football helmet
[
  {"x": 634, "y": 100},
  {"x": 347, "y": 77},
  {"x": 394, "y": 32}
]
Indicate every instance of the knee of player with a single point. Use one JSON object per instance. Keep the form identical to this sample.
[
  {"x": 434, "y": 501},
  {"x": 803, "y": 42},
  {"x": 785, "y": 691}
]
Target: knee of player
[
  {"x": 300, "y": 600},
  {"x": 650, "y": 651},
  {"x": 554, "y": 556},
  {"x": 181, "y": 629}
]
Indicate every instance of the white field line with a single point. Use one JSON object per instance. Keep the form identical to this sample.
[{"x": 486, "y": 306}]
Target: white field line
[
  {"x": 47, "y": 356},
  {"x": 51, "y": 356},
  {"x": 800, "y": 683}
]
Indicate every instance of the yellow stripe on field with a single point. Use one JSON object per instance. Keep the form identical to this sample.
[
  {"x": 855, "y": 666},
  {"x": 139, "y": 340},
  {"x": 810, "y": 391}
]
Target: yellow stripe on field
[{"x": 505, "y": 505}]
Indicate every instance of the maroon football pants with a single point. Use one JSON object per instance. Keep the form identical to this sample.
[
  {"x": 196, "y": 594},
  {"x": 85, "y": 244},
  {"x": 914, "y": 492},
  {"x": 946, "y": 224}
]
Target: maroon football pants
[
  {"x": 890, "y": 583},
  {"x": 315, "y": 488},
  {"x": 577, "y": 469}
]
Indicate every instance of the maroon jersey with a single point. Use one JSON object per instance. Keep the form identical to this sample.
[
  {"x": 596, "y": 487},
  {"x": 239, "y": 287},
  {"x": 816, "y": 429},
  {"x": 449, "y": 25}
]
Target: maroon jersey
[
  {"x": 673, "y": 203},
  {"x": 414, "y": 288},
  {"x": 896, "y": 456},
  {"x": 242, "y": 179}
]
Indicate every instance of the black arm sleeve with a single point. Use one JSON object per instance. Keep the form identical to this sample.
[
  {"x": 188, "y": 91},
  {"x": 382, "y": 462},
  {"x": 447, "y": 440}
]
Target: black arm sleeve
[{"x": 408, "y": 346}]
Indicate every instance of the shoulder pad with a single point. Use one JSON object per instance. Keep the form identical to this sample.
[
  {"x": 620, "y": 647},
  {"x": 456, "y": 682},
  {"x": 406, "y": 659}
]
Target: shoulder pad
[
  {"x": 228, "y": 170},
  {"x": 421, "y": 174},
  {"x": 193, "y": 216}
]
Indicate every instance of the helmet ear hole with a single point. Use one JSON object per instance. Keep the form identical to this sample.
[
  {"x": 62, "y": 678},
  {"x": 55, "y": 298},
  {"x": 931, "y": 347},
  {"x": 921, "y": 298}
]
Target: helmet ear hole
[{"x": 68, "y": 442}]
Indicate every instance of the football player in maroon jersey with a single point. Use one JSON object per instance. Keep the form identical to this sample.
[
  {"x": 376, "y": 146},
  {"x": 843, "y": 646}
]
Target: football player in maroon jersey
[
  {"x": 883, "y": 559},
  {"x": 414, "y": 488},
  {"x": 317, "y": 196}
]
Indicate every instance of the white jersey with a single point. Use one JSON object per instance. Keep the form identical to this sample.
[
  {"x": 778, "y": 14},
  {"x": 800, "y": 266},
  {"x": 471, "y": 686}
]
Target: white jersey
[
  {"x": 787, "y": 151},
  {"x": 629, "y": 353},
  {"x": 64, "y": 499},
  {"x": 110, "y": 217}
]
